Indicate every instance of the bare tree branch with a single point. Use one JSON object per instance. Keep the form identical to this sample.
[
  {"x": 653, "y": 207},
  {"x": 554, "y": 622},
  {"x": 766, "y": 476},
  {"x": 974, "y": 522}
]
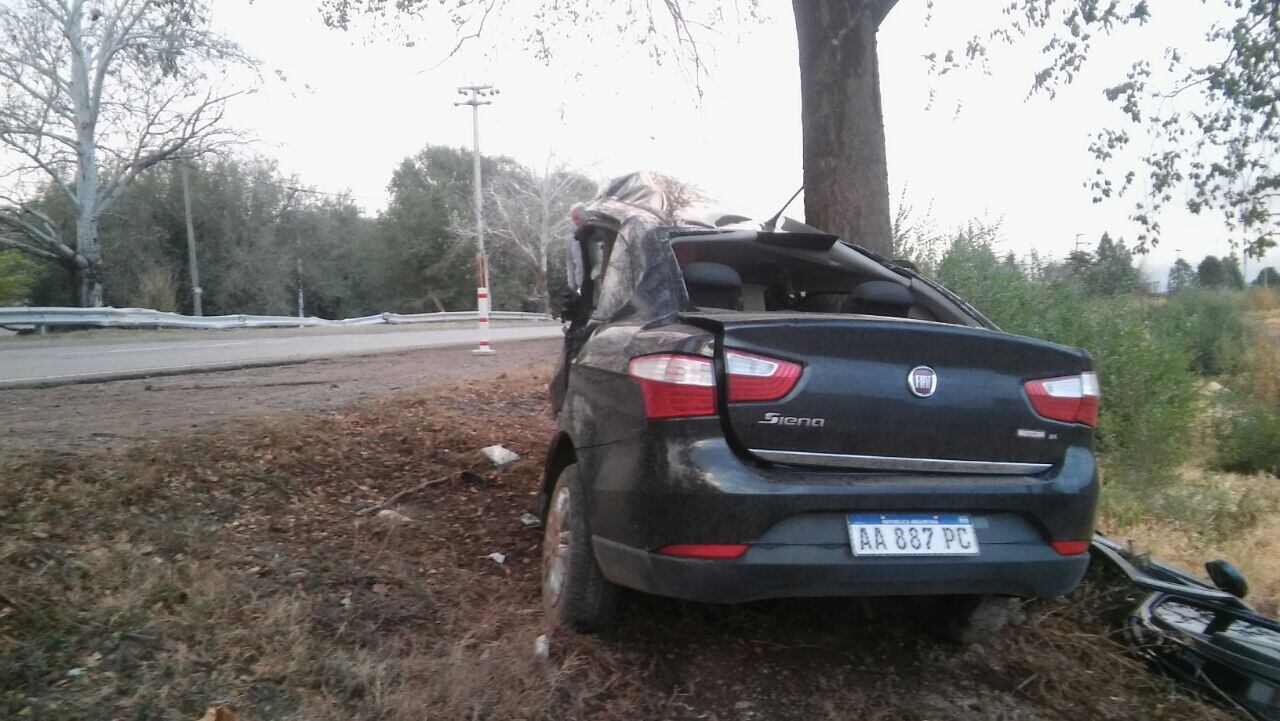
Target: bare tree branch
[{"x": 94, "y": 94}]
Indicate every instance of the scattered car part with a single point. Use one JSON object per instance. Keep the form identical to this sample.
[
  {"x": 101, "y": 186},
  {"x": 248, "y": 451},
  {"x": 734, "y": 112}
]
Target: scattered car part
[{"x": 1204, "y": 637}]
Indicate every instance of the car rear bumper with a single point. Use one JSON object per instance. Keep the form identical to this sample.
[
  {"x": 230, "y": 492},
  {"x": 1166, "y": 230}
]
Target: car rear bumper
[
  {"x": 682, "y": 487},
  {"x": 1029, "y": 570}
]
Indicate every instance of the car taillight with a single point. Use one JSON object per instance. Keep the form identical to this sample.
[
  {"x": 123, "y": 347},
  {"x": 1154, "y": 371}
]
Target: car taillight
[
  {"x": 1073, "y": 399},
  {"x": 705, "y": 550},
  {"x": 675, "y": 386},
  {"x": 757, "y": 378},
  {"x": 1070, "y": 548}
]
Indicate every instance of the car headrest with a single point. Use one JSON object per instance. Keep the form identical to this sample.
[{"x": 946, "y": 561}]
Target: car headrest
[
  {"x": 713, "y": 285},
  {"x": 879, "y": 297},
  {"x": 883, "y": 291}
]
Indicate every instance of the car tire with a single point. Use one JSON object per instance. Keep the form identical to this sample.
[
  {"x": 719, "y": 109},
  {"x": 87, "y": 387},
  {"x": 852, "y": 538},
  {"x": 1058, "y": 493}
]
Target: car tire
[
  {"x": 976, "y": 620},
  {"x": 575, "y": 592}
]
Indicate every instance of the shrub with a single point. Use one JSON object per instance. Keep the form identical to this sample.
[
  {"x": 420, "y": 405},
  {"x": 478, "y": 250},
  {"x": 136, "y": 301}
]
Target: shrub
[
  {"x": 1249, "y": 440},
  {"x": 157, "y": 289},
  {"x": 1148, "y": 391},
  {"x": 1212, "y": 325}
]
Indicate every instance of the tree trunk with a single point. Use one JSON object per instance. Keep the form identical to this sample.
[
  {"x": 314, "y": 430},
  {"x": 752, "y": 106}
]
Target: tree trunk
[
  {"x": 89, "y": 263},
  {"x": 846, "y": 177},
  {"x": 540, "y": 287},
  {"x": 88, "y": 251}
]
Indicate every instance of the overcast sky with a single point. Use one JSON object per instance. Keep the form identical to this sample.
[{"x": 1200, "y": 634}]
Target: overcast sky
[{"x": 354, "y": 105}]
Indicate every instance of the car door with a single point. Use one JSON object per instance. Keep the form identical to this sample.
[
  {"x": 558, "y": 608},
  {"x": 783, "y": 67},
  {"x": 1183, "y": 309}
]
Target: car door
[{"x": 579, "y": 308}]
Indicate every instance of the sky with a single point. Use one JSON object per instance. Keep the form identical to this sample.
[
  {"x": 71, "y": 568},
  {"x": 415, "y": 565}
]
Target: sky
[{"x": 353, "y": 104}]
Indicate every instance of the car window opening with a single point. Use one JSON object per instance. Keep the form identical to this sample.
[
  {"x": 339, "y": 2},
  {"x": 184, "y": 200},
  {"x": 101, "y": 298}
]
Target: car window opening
[{"x": 724, "y": 273}]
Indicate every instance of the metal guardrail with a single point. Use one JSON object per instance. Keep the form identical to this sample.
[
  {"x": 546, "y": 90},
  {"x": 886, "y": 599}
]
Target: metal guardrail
[{"x": 145, "y": 318}]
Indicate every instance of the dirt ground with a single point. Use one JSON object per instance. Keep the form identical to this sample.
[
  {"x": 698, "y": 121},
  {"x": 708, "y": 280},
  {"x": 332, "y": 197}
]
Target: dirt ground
[
  {"x": 115, "y": 415},
  {"x": 234, "y": 568}
]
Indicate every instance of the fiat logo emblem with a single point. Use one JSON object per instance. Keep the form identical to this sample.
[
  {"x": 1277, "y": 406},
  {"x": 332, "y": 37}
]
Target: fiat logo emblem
[{"x": 923, "y": 381}]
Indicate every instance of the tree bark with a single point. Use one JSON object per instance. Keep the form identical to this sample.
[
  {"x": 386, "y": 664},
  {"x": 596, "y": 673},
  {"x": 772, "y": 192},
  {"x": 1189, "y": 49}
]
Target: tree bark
[
  {"x": 846, "y": 177},
  {"x": 88, "y": 251},
  {"x": 88, "y": 262}
]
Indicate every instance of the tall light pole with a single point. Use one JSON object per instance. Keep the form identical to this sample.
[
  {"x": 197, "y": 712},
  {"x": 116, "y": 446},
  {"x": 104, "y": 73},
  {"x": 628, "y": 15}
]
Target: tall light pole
[{"x": 476, "y": 96}]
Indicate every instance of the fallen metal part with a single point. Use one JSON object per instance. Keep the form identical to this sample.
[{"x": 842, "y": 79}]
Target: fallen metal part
[{"x": 1201, "y": 636}]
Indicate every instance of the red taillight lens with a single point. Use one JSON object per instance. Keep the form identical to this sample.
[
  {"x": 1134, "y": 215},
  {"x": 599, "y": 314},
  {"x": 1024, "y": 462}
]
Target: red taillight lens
[
  {"x": 757, "y": 378},
  {"x": 705, "y": 550},
  {"x": 675, "y": 386},
  {"x": 1070, "y": 548},
  {"x": 1073, "y": 399}
]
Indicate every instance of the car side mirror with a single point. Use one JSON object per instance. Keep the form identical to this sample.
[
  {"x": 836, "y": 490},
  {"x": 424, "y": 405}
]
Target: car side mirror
[{"x": 1227, "y": 577}]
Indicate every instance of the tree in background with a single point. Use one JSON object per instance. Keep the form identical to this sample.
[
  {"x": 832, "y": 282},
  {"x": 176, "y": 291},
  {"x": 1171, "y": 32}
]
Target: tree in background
[
  {"x": 1181, "y": 276},
  {"x": 1079, "y": 263},
  {"x": 530, "y": 214},
  {"x": 261, "y": 235},
  {"x": 250, "y": 223},
  {"x": 238, "y": 206},
  {"x": 418, "y": 249},
  {"x": 1231, "y": 267},
  {"x": 1267, "y": 278},
  {"x": 1210, "y": 129},
  {"x": 19, "y": 275},
  {"x": 1112, "y": 272},
  {"x": 1211, "y": 273},
  {"x": 94, "y": 94}
]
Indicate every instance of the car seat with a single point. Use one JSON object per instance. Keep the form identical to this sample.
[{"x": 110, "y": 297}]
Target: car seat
[
  {"x": 879, "y": 297},
  {"x": 713, "y": 285}
]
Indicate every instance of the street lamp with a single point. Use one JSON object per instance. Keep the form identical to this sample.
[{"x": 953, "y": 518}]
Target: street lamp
[{"x": 476, "y": 95}]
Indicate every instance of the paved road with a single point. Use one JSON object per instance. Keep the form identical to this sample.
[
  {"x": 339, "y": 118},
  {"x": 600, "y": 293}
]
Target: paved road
[{"x": 69, "y": 361}]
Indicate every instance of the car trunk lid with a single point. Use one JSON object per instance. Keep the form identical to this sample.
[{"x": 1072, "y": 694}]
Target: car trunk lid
[{"x": 896, "y": 394}]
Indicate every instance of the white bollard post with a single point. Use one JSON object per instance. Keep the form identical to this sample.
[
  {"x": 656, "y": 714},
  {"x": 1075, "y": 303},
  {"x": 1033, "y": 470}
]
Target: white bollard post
[{"x": 482, "y": 319}]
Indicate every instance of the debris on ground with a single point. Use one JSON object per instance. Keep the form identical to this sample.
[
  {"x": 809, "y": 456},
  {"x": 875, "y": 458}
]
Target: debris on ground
[
  {"x": 499, "y": 456},
  {"x": 498, "y": 558},
  {"x": 401, "y": 495},
  {"x": 1202, "y": 636},
  {"x": 542, "y": 646},
  {"x": 219, "y": 713},
  {"x": 530, "y": 520},
  {"x": 394, "y": 518}
]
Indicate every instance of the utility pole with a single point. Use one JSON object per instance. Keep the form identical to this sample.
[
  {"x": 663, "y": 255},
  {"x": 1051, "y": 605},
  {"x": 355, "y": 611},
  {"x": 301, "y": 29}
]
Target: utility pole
[
  {"x": 297, "y": 246},
  {"x": 192, "y": 264},
  {"x": 1078, "y": 236},
  {"x": 476, "y": 96}
]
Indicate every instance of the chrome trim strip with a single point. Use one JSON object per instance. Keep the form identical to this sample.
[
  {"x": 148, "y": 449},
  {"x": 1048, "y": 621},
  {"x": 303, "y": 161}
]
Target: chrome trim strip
[{"x": 895, "y": 463}]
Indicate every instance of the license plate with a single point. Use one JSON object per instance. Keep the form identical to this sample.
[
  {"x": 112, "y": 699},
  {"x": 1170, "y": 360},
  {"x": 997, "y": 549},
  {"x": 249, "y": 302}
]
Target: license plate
[{"x": 911, "y": 534}]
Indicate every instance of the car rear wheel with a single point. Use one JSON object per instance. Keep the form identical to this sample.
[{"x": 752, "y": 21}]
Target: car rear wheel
[{"x": 574, "y": 591}]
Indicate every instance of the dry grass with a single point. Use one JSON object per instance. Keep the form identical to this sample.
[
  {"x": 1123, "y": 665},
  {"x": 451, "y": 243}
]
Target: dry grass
[
  {"x": 1265, "y": 300},
  {"x": 234, "y": 570},
  {"x": 1203, "y": 513},
  {"x": 157, "y": 289},
  {"x": 1214, "y": 514}
]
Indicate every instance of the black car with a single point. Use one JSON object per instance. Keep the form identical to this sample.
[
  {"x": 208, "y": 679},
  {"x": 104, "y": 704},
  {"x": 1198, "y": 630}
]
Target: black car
[{"x": 749, "y": 412}]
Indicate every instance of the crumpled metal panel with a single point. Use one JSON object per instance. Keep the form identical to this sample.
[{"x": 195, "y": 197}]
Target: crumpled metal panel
[{"x": 641, "y": 276}]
